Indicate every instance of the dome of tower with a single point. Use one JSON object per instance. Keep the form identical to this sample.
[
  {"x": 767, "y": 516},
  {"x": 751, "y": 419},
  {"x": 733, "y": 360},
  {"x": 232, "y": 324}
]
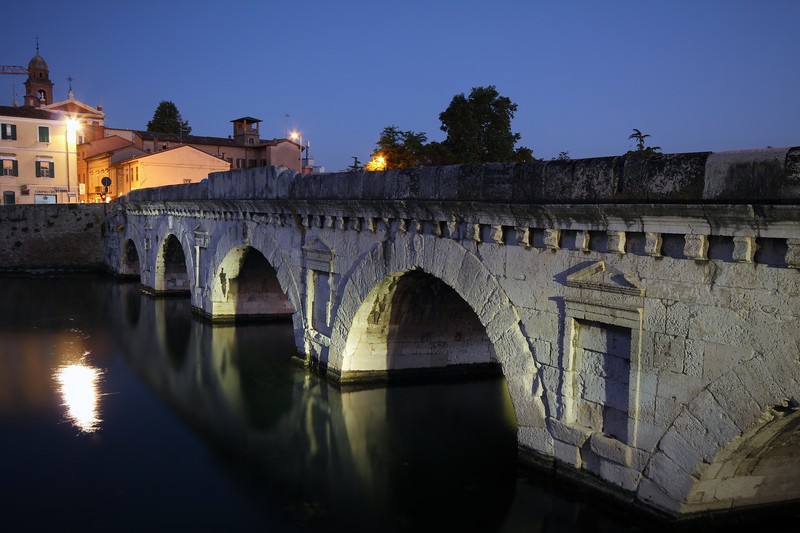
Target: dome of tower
[{"x": 37, "y": 63}]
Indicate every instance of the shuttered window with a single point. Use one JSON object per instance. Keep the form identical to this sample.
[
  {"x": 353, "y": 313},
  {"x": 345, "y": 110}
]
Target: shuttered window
[
  {"x": 44, "y": 134},
  {"x": 8, "y": 132},
  {"x": 45, "y": 169},
  {"x": 9, "y": 167}
]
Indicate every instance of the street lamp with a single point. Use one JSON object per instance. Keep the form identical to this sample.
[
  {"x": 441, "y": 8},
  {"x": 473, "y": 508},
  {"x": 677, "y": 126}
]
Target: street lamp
[
  {"x": 70, "y": 134},
  {"x": 297, "y": 137}
]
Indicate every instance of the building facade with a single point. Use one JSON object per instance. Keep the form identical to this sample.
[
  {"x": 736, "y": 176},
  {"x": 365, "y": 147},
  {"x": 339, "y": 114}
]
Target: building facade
[
  {"x": 38, "y": 141},
  {"x": 243, "y": 149},
  {"x": 38, "y": 157}
]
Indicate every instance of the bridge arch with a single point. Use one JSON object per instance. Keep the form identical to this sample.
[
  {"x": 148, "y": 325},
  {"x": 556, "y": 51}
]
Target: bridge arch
[
  {"x": 249, "y": 277},
  {"x": 730, "y": 450},
  {"x": 406, "y": 264},
  {"x": 131, "y": 261},
  {"x": 172, "y": 267}
]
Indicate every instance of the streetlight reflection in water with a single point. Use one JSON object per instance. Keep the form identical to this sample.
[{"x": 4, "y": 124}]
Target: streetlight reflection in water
[{"x": 78, "y": 386}]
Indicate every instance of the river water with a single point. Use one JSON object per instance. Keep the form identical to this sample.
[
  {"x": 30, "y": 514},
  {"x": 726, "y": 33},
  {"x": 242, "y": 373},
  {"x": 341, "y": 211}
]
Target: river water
[{"x": 121, "y": 412}]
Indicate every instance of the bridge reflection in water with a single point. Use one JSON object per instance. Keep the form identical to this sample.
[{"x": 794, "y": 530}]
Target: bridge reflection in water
[
  {"x": 420, "y": 455},
  {"x": 270, "y": 446}
]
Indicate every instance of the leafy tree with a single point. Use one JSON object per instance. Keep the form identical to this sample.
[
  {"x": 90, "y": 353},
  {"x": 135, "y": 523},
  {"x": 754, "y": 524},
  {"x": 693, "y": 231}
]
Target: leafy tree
[
  {"x": 562, "y": 156},
  {"x": 167, "y": 119},
  {"x": 478, "y": 128},
  {"x": 640, "y": 146},
  {"x": 401, "y": 149}
]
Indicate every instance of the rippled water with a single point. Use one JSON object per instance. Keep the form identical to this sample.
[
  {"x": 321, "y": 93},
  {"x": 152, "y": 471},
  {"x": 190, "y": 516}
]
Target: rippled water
[{"x": 123, "y": 412}]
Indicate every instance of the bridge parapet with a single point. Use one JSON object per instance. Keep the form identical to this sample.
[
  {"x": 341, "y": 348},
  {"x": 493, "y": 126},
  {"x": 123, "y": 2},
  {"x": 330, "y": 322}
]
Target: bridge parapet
[{"x": 770, "y": 176}]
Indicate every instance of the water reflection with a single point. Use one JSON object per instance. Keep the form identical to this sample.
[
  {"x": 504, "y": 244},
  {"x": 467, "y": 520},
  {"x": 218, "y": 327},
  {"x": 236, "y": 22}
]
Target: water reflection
[
  {"x": 78, "y": 386},
  {"x": 333, "y": 458}
]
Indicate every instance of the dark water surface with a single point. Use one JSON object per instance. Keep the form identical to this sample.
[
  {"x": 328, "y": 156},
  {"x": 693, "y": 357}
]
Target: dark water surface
[{"x": 120, "y": 412}]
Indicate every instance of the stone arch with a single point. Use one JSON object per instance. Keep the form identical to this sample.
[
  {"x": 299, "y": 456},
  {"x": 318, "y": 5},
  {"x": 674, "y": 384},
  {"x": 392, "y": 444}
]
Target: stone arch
[
  {"x": 131, "y": 234},
  {"x": 733, "y": 445},
  {"x": 172, "y": 267},
  {"x": 247, "y": 286},
  {"x": 413, "y": 320},
  {"x": 256, "y": 250},
  {"x": 462, "y": 271},
  {"x": 130, "y": 261}
]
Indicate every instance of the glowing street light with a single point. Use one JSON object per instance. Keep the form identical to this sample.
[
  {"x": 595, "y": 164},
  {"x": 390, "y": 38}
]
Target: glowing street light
[
  {"x": 376, "y": 163},
  {"x": 70, "y": 134}
]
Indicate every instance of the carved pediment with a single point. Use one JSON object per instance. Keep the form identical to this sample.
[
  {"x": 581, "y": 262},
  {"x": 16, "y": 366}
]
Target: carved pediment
[
  {"x": 600, "y": 277},
  {"x": 318, "y": 255}
]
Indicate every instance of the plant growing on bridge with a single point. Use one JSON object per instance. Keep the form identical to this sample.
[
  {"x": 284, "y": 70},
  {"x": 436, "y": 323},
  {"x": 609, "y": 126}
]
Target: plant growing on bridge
[{"x": 640, "y": 146}]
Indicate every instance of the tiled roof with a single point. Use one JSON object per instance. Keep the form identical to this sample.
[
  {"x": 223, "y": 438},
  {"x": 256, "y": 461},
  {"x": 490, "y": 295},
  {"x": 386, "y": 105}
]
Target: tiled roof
[
  {"x": 104, "y": 145},
  {"x": 197, "y": 139},
  {"x": 187, "y": 139},
  {"x": 30, "y": 112}
]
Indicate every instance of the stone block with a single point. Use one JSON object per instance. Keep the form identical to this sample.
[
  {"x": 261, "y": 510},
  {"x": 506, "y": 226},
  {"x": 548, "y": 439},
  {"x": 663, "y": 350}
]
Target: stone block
[{"x": 667, "y": 474}]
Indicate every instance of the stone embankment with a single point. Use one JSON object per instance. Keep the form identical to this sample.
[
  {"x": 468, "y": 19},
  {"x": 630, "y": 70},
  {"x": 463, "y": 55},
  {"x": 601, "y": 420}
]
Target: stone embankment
[{"x": 64, "y": 237}]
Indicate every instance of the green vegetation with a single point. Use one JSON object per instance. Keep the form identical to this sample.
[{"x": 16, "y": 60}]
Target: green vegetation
[
  {"x": 478, "y": 130},
  {"x": 641, "y": 149},
  {"x": 167, "y": 119}
]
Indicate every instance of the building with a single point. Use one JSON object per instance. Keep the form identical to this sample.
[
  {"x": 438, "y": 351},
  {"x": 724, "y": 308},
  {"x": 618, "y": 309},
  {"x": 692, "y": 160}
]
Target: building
[
  {"x": 38, "y": 141},
  {"x": 37, "y": 152},
  {"x": 243, "y": 149},
  {"x": 57, "y": 152},
  {"x": 166, "y": 167}
]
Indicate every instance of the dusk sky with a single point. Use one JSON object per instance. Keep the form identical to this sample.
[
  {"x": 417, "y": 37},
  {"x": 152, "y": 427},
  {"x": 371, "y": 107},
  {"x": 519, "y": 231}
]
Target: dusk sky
[{"x": 696, "y": 75}]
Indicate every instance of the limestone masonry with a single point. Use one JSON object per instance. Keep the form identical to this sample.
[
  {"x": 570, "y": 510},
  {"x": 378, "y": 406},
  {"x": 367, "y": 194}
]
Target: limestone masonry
[{"x": 643, "y": 310}]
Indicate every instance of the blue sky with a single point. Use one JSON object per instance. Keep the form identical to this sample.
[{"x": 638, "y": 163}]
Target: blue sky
[{"x": 696, "y": 75}]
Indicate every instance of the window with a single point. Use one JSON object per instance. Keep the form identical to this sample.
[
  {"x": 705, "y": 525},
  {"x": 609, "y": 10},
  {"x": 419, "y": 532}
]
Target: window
[
  {"x": 8, "y": 132},
  {"x": 10, "y": 167},
  {"x": 44, "y": 169},
  {"x": 44, "y": 134},
  {"x": 8, "y": 198}
]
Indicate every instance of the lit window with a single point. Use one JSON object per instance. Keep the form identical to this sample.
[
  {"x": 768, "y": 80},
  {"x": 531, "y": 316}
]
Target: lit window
[
  {"x": 44, "y": 134},
  {"x": 44, "y": 169},
  {"x": 10, "y": 167},
  {"x": 8, "y": 132}
]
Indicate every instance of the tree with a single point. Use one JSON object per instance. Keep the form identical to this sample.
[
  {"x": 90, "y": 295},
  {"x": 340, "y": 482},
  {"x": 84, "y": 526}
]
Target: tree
[
  {"x": 400, "y": 149},
  {"x": 640, "y": 147},
  {"x": 478, "y": 128},
  {"x": 167, "y": 119}
]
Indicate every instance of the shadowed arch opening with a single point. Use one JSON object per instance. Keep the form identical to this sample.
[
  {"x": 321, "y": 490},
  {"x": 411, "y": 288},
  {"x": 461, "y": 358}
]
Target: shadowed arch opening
[
  {"x": 761, "y": 467},
  {"x": 412, "y": 321},
  {"x": 171, "y": 272},
  {"x": 246, "y": 287},
  {"x": 131, "y": 267}
]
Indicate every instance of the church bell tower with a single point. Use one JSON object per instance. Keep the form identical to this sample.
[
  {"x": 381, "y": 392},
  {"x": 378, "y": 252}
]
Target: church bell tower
[{"x": 38, "y": 87}]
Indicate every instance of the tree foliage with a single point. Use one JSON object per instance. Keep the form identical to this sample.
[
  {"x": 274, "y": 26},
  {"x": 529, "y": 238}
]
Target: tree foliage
[
  {"x": 478, "y": 130},
  {"x": 400, "y": 149},
  {"x": 167, "y": 119}
]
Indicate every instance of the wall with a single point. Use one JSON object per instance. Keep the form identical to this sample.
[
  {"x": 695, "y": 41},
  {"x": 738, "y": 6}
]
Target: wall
[{"x": 60, "y": 236}]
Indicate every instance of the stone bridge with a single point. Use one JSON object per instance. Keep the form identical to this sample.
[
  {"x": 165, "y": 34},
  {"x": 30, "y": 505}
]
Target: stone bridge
[{"x": 643, "y": 310}]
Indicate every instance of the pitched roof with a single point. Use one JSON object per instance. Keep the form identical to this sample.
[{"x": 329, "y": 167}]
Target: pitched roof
[
  {"x": 30, "y": 112},
  {"x": 106, "y": 144}
]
